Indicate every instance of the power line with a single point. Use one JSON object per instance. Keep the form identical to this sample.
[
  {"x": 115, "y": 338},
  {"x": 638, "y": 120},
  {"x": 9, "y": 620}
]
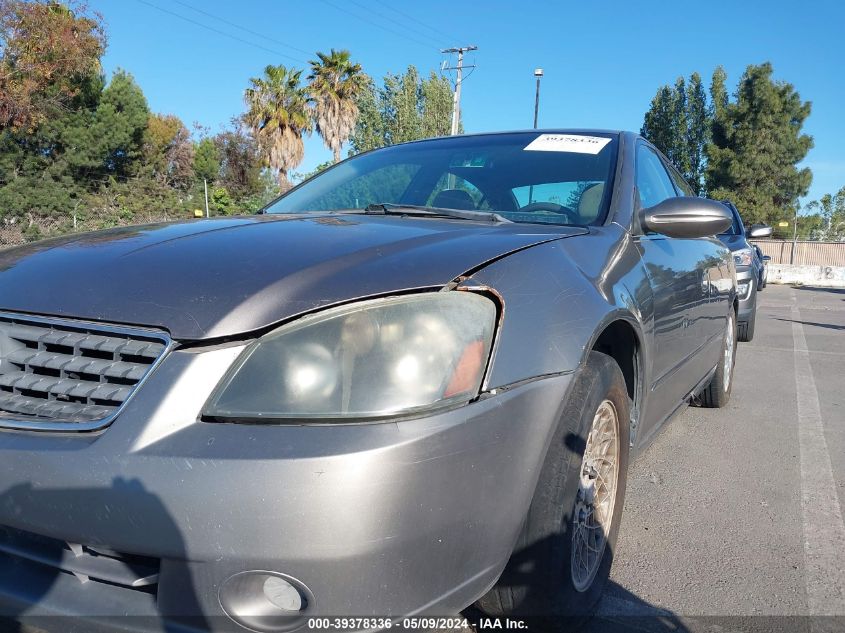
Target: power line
[
  {"x": 381, "y": 26},
  {"x": 219, "y": 32},
  {"x": 397, "y": 22},
  {"x": 239, "y": 27},
  {"x": 439, "y": 33}
]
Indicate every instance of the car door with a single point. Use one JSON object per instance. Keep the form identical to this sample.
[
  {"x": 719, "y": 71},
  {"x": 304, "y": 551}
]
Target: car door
[
  {"x": 707, "y": 311},
  {"x": 678, "y": 286}
]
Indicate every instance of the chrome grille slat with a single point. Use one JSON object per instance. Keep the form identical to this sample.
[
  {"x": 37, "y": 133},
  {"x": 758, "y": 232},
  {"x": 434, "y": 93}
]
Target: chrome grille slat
[
  {"x": 65, "y": 386},
  {"x": 57, "y": 374},
  {"x": 51, "y": 409},
  {"x": 78, "y": 364}
]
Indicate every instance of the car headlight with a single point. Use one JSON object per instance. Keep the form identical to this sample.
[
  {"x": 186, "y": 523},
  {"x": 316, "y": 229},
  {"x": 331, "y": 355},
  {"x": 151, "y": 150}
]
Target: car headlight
[
  {"x": 372, "y": 359},
  {"x": 743, "y": 257}
]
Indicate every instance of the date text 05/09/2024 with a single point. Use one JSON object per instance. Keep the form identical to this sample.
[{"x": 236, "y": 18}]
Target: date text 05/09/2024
[{"x": 457, "y": 624}]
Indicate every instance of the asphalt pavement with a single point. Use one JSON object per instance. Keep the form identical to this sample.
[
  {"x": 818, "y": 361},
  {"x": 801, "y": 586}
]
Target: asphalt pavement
[{"x": 733, "y": 517}]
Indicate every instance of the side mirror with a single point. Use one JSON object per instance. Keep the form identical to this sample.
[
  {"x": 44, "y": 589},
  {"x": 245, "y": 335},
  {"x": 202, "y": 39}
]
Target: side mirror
[
  {"x": 687, "y": 217},
  {"x": 766, "y": 258},
  {"x": 760, "y": 230}
]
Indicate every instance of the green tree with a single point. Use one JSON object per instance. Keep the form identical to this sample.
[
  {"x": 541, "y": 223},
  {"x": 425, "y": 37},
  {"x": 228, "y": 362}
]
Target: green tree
[
  {"x": 301, "y": 177},
  {"x": 167, "y": 152},
  {"x": 678, "y": 124},
  {"x": 279, "y": 114},
  {"x": 436, "y": 106},
  {"x": 718, "y": 92},
  {"x": 206, "y": 161},
  {"x": 47, "y": 51},
  {"x": 831, "y": 212},
  {"x": 335, "y": 85},
  {"x": 405, "y": 108},
  {"x": 402, "y": 101},
  {"x": 756, "y": 146},
  {"x": 240, "y": 163},
  {"x": 659, "y": 124},
  {"x": 108, "y": 140},
  {"x": 369, "y": 130},
  {"x": 698, "y": 121},
  {"x": 49, "y": 171}
]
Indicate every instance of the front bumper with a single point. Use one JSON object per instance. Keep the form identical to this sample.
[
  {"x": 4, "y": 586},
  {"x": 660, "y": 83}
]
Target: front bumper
[
  {"x": 374, "y": 519},
  {"x": 746, "y": 275}
]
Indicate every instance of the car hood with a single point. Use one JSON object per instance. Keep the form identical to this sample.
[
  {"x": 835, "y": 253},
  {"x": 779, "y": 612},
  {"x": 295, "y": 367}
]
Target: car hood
[{"x": 224, "y": 277}]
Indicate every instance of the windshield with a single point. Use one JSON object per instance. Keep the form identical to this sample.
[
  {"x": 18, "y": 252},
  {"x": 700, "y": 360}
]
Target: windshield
[{"x": 525, "y": 177}]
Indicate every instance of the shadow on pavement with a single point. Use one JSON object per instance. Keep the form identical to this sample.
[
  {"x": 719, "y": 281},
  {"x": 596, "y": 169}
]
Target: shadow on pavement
[
  {"x": 836, "y": 291},
  {"x": 827, "y": 326}
]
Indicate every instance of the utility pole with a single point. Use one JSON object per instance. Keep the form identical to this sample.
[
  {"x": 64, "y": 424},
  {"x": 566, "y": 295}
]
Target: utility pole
[
  {"x": 459, "y": 68},
  {"x": 538, "y": 73},
  {"x": 794, "y": 237},
  {"x": 205, "y": 185}
]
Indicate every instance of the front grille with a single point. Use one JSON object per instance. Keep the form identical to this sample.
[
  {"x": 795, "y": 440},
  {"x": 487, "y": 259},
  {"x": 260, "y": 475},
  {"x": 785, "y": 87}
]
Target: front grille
[
  {"x": 83, "y": 561},
  {"x": 60, "y": 375}
]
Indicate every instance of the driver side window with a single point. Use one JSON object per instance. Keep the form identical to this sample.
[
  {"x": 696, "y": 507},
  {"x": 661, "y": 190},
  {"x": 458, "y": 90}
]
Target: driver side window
[{"x": 653, "y": 183}]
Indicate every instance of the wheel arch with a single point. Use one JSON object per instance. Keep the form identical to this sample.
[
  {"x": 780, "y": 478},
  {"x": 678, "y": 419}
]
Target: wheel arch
[{"x": 620, "y": 337}]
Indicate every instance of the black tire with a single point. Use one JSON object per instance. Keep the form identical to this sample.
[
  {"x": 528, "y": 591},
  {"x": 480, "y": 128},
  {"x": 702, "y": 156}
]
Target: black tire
[
  {"x": 717, "y": 394},
  {"x": 746, "y": 328},
  {"x": 537, "y": 580}
]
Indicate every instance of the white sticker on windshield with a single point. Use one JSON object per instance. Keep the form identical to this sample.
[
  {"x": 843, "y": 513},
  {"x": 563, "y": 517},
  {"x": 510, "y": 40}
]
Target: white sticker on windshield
[{"x": 567, "y": 143}]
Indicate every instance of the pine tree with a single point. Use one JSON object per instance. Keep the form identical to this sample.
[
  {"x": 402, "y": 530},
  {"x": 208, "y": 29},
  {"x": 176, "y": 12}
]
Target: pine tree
[
  {"x": 678, "y": 124},
  {"x": 659, "y": 124},
  {"x": 697, "y": 133},
  {"x": 756, "y": 146}
]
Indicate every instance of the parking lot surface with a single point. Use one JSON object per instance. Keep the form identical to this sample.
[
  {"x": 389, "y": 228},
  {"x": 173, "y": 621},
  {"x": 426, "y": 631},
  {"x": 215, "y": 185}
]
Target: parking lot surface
[{"x": 733, "y": 517}]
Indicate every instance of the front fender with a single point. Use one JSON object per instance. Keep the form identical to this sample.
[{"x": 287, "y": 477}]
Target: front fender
[{"x": 553, "y": 313}]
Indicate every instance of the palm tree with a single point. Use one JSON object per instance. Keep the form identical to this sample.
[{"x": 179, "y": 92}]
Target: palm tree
[
  {"x": 279, "y": 113},
  {"x": 335, "y": 84}
]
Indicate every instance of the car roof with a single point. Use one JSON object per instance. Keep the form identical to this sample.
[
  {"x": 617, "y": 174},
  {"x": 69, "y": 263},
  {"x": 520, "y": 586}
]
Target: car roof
[{"x": 574, "y": 131}]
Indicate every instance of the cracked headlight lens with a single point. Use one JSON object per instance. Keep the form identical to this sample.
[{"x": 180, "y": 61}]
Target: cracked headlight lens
[{"x": 371, "y": 359}]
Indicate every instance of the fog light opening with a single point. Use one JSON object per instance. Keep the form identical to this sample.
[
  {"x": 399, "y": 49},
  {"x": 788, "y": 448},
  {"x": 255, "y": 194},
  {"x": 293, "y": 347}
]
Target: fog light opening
[
  {"x": 266, "y": 601},
  {"x": 283, "y": 595}
]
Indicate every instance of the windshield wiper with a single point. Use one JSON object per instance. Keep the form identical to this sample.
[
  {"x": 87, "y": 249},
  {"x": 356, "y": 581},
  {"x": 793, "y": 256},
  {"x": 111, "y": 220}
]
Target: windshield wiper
[{"x": 391, "y": 208}]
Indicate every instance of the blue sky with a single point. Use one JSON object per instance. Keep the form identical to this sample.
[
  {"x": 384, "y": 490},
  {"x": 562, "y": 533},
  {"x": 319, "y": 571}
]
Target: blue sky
[{"x": 603, "y": 61}]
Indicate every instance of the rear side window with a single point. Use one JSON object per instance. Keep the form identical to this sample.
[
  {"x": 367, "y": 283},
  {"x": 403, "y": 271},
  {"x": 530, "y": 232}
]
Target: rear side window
[{"x": 653, "y": 183}]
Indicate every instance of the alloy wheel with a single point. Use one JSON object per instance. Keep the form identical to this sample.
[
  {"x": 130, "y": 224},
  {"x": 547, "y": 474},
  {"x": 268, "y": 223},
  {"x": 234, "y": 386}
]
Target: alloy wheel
[
  {"x": 594, "y": 505},
  {"x": 729, "y": 352}
]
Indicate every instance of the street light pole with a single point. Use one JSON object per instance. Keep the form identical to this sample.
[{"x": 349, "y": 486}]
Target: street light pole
[{"x": 538, "y": 73}]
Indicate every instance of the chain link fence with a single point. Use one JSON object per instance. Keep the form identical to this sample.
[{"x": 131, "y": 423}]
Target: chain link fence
[{"x": 20, "y": 230}]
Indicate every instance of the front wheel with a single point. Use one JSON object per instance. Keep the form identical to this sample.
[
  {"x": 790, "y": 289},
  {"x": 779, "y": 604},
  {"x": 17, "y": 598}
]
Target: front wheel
[
  {"x": 562, "y": 559},
  {"x": 718, "y": 392}
]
